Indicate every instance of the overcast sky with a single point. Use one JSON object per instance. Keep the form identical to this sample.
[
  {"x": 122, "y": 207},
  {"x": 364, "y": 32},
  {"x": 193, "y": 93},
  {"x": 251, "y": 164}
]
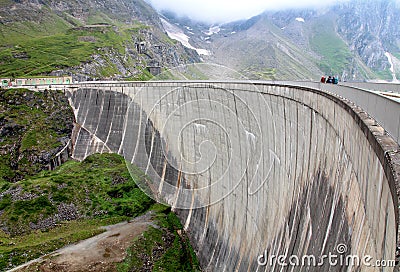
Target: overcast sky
[{"x": 214, "y": 11}]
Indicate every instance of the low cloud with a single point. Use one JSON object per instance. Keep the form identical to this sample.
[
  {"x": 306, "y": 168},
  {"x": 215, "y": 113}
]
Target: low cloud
[{"x": 214, "y": 11}]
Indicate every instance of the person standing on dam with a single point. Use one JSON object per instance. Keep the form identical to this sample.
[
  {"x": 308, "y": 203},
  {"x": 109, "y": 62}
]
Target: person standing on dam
[{"x": 330, "y": 79}]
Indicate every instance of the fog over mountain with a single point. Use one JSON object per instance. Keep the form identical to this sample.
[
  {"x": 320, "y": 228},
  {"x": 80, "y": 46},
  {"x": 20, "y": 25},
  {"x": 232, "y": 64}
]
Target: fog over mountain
[{"x": 212, "y": 11}]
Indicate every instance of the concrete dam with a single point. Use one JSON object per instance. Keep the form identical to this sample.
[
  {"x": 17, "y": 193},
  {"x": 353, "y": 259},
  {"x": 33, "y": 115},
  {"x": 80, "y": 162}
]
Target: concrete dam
[{"x": 263, "y": 176}]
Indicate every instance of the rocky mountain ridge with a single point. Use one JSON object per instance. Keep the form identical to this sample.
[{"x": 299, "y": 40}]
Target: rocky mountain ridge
[
  {"x": 355, "y": 40},
  {"x": 371, "y": 29}
]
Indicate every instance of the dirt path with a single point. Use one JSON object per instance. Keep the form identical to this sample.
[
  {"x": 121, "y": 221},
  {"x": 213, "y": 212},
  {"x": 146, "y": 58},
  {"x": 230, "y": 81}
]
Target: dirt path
[{"x": 99, "y": 253}]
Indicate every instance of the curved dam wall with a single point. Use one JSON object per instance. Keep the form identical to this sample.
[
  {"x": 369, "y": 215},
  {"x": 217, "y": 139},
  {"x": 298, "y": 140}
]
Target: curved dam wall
[{"x": 253, "y": 170}]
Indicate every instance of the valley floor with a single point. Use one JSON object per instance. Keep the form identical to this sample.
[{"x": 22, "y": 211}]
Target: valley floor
[{"x": 99, "y": 253}]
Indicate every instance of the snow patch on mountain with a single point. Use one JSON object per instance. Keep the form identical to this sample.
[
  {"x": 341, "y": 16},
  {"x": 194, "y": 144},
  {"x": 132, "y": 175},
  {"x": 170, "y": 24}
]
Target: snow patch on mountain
[
  {"x": 176, "y": 33},
  {"x": 389, "y": 57},
  {"x": 213, "y": 30}
]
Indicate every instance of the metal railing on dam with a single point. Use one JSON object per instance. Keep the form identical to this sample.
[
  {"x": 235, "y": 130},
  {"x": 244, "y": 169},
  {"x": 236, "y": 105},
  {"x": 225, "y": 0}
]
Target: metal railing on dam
[
  {"x": 263, "y": 176},
  {"x": 372, "y": 98},
  {"x": 381, "y": 87}
]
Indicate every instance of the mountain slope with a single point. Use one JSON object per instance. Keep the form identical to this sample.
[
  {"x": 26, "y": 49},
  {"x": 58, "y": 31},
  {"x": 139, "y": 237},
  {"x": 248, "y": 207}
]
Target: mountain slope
[
  {"x": 88, "y": 39},
  {"x": 263, "y": 52},
  {"x": 358, "y": 40}
]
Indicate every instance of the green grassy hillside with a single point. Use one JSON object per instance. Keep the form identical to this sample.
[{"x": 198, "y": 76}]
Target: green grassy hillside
[
  {"x": 28, "y": 49},
  {"x": 99, "y": 186},
  {"x": 336, "y": 55},
  {"x": 86, "y": 39},
  {"x": 52, "y": 209}
]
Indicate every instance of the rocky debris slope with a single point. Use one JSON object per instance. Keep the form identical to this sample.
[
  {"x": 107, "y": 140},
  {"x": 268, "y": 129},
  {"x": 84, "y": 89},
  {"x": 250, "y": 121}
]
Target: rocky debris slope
[{"x": 34, "y": 127}]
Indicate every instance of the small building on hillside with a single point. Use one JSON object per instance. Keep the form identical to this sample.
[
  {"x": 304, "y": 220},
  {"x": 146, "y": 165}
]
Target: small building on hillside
[
  {"x": 42, "y": 81},
  {"x": 154, "y": 67}
]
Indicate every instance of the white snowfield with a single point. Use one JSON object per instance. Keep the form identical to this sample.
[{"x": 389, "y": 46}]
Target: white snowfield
[
  {"x": 213, "y": 30},
  {"x": 389, "y": 57},
  {"x": 176, "y": 33}
]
